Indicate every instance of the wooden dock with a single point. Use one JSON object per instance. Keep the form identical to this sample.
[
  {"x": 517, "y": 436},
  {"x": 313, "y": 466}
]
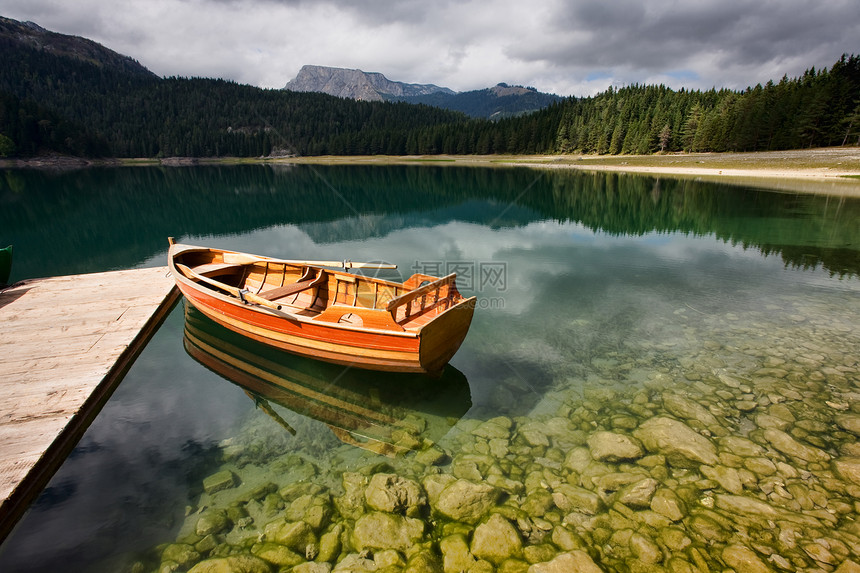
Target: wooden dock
[{"x": 65, "y": 343}]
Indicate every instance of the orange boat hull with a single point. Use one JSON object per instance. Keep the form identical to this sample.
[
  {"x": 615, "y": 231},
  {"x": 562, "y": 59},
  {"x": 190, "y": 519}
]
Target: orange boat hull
[{"x": 422, "y": 349}]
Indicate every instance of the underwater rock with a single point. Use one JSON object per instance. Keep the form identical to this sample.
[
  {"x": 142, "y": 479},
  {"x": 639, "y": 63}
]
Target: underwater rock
[
  {"x": 499, "y": 427},
  {"x": 212, "y": 521},
  {"x": 819, "y": 553},
  {"x": 578, "y": 459},
  {"x": 644, "y": 549},
  {"x": 423, "y": 561},
  {"x": 740, "y": 446},
  {"x": 388, "y": 558},
  {"x": 394, "y": 494},
  {"x": 295, "y": 490},
  {"x": 277, "y": 554},
  {"x": 207, "y": 544},
  {"x": 638, "y": 494},
  {"x": 742, "y": 558},
  {"x": 315, "y": 510},
  {"x": 709, "y": 529},
  {"x": 431, "y": 456},
  {"x": 668, "y": 504},
  {"x": 578, "y": 561},
  {"x": 272, "y": 504},
  {"x": 760, "y": 466},
  {"x": 233, "y": 564},
  {"x": 675, "y": 539},
  {"x": 573, "y": 498},
  {"x": 848, "y": 469},
  {"x": 791, "y": 447},
  {"x": 757, "y": 511},
  {"x": 220, "y": 481},
  {"x": 534, "y": 434},
  {"x": 614, "y": 447},
  {"x": 537, "y": 503},
  {"x": 181, "y": 553},
  {"x": 848, "y": 566},
  {"x": 496, "y": 540},
  {"x": 351, "y": 503},
  {"x": 330, "y": 544},
  {"x": 687, "y": 409},
  {"x": 681, "y": 445},
  {"x": 849, "y": 423},
  {"x": 539, "y": 553},
  {"x": 355, "y": 563},
  {"x": 434, "y": 484},
  {"x": 296, "y": 535},
  {"x": 728, "y": 478},
  {"x": 377, "y": 530},
  {"x": 456, "y": 556},
  {"x": 311, "y": 567},
  {"x": 466, "y": 501}
]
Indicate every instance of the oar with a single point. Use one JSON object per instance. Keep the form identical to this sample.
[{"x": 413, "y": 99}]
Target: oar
[
  {"x": 242, "y": 258},
  {"x": 264, "y": 405},
  {"x": 238, "y": 293}
]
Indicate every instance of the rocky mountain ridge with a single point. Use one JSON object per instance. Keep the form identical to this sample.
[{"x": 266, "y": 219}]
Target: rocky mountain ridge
[
  {"x": 357, "y": 84},
  {"x": 496, "y": 102}
]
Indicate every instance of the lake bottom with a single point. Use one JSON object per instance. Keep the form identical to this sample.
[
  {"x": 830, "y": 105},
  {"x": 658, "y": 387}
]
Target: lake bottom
[{"x": 682, "y": 441}]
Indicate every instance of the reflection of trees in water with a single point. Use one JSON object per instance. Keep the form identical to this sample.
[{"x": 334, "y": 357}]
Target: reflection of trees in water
[{"x": 97, "y": 219}]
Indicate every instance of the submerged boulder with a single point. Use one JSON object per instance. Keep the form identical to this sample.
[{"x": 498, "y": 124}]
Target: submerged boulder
[
  {"x": 181, "y": 553},
  {"x": 212, "y": 521},
  {"x": 395, "y": 494},
  {"x": 681, "y": 445},
  {"x": 742, "y": 558},
  {"x": 277, "y": 554},
  {"x": 791, "y": 447},
  {"x": 496, "y": 540},
  {"x": 578, "y": 561},
  {"x": 378, "y": 530},
  {"x": 466, "y": 501},
  {"x": 220, "y": 481},
  {"x": 614, "y": 447},
  {"x": 232, "y": 564}
]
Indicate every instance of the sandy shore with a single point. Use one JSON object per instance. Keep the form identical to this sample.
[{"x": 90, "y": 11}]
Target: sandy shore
[{"x": 831, "y": 170}]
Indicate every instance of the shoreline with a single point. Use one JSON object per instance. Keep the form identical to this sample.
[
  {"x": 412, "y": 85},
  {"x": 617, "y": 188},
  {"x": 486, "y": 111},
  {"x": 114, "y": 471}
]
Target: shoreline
[{"x": 830, "y": 171}]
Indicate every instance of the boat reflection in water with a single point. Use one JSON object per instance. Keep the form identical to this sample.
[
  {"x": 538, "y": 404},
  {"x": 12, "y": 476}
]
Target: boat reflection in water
[{"x": 384, "y": 412}]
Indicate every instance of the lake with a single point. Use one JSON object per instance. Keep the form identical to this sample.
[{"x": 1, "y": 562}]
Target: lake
[{"x": 659, "y": 372}]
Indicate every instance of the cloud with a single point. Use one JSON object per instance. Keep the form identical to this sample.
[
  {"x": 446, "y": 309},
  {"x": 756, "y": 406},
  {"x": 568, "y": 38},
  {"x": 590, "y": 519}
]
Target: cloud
[{"x": 570, "y": 48}]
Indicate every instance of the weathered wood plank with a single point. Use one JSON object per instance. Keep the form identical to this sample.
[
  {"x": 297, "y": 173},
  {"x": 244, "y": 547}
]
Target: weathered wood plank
[{"x": 65, "y": 342}]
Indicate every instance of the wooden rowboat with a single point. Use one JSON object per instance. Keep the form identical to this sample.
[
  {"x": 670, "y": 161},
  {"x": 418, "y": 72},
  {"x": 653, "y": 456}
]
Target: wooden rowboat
[
  {"x": 383, "y": 412},
  {"x": 328, "y": 314}
]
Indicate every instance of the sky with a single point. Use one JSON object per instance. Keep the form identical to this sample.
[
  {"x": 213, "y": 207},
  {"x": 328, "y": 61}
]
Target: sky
[{"x": 574, "y": 47}]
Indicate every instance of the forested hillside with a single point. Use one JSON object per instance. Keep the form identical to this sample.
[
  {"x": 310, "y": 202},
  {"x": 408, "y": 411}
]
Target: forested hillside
[
  {"x": 145, "y": 116},
  {"x": 820, "y": 108},
  {"x": 54, "y": 102}
]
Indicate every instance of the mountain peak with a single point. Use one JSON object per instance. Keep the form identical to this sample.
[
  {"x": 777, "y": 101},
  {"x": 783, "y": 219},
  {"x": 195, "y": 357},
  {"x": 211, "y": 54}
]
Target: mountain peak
[{"x": 357, "y": 84}]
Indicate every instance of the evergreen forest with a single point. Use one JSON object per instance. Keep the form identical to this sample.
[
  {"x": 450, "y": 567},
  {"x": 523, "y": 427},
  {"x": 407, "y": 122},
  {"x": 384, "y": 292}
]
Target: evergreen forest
[{"x": 53, "y": 103}]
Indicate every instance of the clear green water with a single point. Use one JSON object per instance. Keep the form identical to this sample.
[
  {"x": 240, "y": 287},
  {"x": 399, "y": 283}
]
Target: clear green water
[{"x": 605, "y": 301}]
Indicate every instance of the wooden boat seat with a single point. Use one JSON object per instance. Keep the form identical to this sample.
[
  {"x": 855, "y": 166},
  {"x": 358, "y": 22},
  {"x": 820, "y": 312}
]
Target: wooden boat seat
[
  {"x": 287, "y": 290},
  {"x": 216, "y": 269}
]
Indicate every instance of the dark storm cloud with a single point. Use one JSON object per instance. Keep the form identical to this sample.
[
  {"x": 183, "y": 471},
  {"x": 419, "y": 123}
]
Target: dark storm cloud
[
  {"x": 718, "y": 39},
  {"x": 576, "y": 47}
]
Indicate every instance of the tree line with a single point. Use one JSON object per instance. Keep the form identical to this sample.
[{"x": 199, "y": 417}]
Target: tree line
[
  {"x": 93, "y": 109},
  {"x": 820, "y": 108}
]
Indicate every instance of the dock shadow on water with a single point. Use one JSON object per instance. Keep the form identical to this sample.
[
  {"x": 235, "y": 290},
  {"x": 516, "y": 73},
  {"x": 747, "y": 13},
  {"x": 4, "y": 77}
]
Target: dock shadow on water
[{"x": 669, "y": 381}]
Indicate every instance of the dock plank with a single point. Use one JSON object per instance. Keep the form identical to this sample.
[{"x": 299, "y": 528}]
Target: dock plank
[{"x": 65, "y": 343}]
